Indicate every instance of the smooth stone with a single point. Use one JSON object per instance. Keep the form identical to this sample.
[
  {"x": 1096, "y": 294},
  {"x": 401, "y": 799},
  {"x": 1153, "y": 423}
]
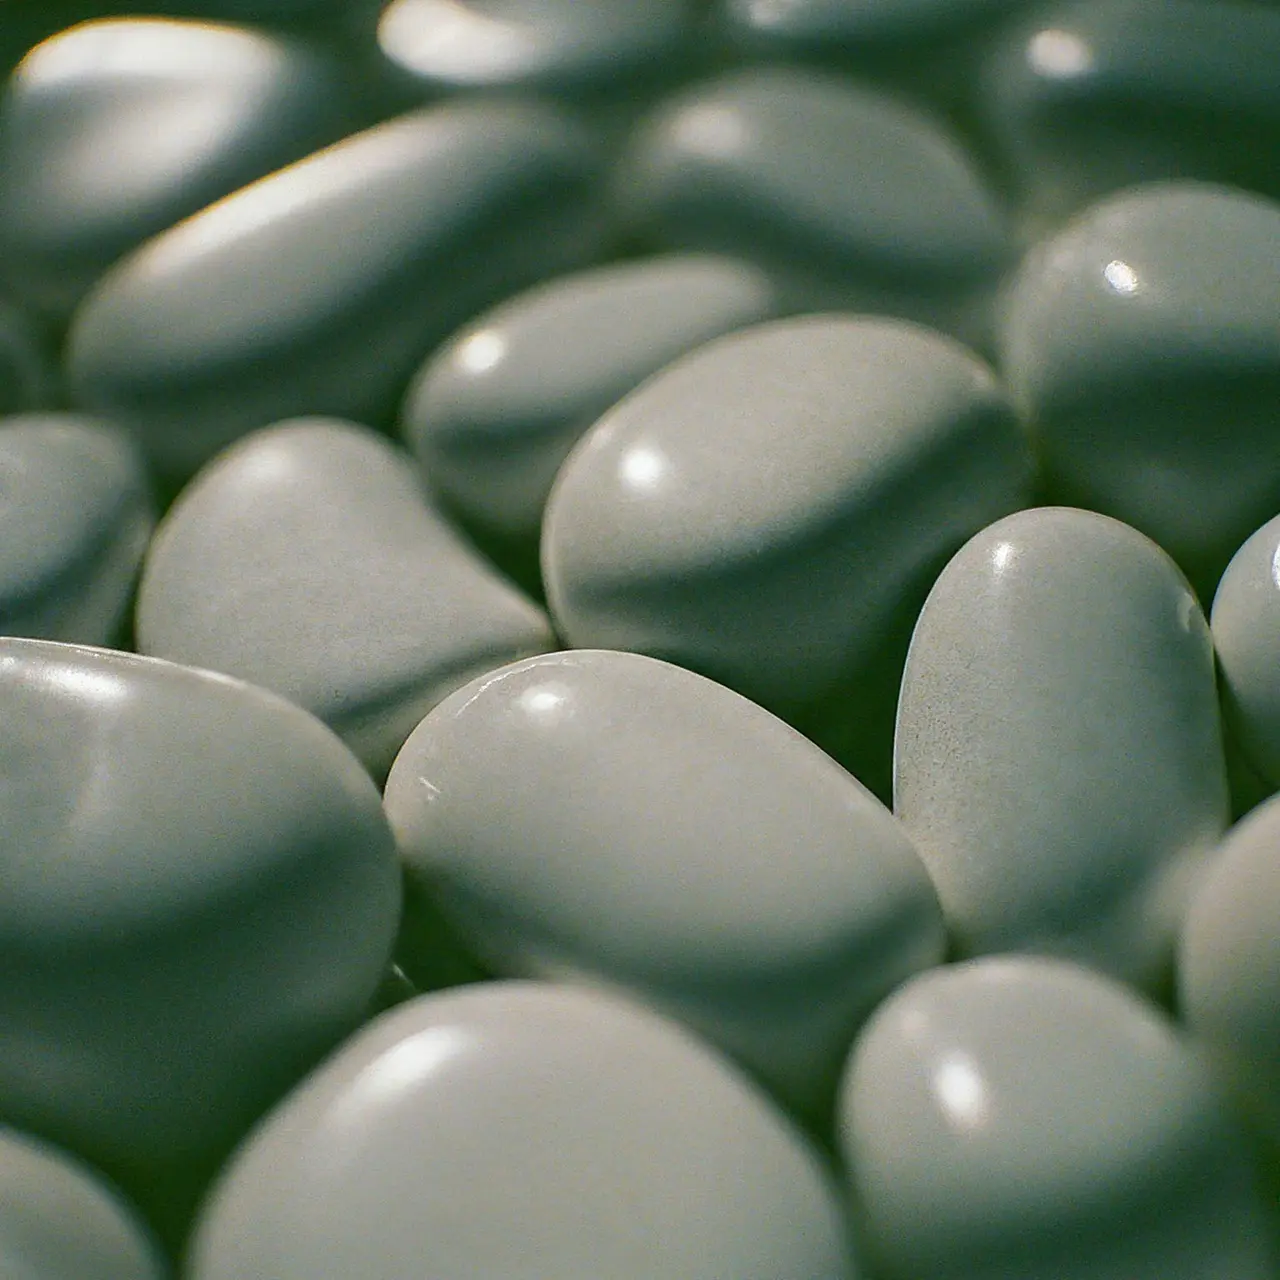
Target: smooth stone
[
  {"x": 1018, "y": 1116},
  {"x": 610, "y": 818},
  {"x": 1087, "y": 98},
  {"x": 852, "y": 199},
  {"x": 306, "y": 560},
  {"x": 1142, "y": 340},
  {"x": 554, "y": 45},
  {"x": 493, "y": 413},
  {"x": 1058, "y": 759},
  {"x": 26, "y": 364},
  {"x": 200, "y": 899},
  {"x": 764, "y": 508},
  {"x": 318, "y": 289},
  {"x": 517, "y": 1129},
  {"x": 75, "y": 518},
  {"x": 114, "y": 130},
  {"x": 60, "y": 1221},
  {"x": 1246, "y": 635}
]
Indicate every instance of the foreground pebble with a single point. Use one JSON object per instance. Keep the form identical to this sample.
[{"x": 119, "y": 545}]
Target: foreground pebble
[
  {"x": 1059, "y": 759},
  {"x": 523, "y": 1130}
]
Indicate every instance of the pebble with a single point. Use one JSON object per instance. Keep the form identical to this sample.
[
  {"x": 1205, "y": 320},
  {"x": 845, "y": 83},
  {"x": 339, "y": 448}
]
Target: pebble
[
  {"x": 75, "y": 518},
  {"x": 524, "y": 1130},
  {"x": 319, "y": 288},
  {"x": 611, "y": 818},
  {"x": 494, "y": 412},
  {"x": 1058, "y": 760},
  {"x": 1019, "y": 1116},
  {"x": 306, "y": 560}
]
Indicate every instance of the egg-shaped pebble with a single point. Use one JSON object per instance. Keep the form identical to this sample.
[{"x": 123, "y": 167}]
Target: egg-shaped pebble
[
  {"x": 852, "y": 199},
  {"x": 494, "y": 412},
  {"x": 517, "y": 1129},
  {"x": 764, "y": 508},
  {"x": 319, "y": 288},
  {"x": 1020, "y": 1116},
  {"x": 26, "y": 362},
  {"x": 59, "y": 1220},
  {"x": 611, "y": 817},
  {"x": 1058, "y": 759},
  {"x": 305, "y": 559},
  {"x": 200, "y": 898},
  {"x": 1142, "y": 339},
  {"x": 115, "y": 129},
  {"x": 75, "y": 517}
]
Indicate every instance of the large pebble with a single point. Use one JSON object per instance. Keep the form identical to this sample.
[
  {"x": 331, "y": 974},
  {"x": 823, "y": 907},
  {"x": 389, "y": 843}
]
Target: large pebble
[
  {"x": 1022, "y": 1117},
  {"x": 493, "y": 414},
  {"x": 75, "y": 517},
  {"x": 524, "y": 1130},
  {"x": 1059, "y": 759},
  {"x": 200, "y": 896},
  {"x": 614, "y": 818},
  {"x": 116, "y": 129},
  {"x": 1142, "y": 339},
  {"x": 306, "y": 560},
  {"x": 319, "y": 288}
]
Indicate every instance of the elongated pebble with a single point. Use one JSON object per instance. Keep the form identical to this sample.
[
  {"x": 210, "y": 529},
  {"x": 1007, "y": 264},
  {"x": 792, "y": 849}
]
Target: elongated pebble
[
  {"x": 493, "y": 414},
  {"x": 1058, "y": 759},
  {"x": 524, "y": 1130},
  {"x": 1142, "y": 341},
  {"x": 610, "y": 817},
  {"x": 1019, "y": 1116},
  {"x": 319, "y": 288},
  {"x": 75, "y": 517},
  {"x": 306, "y": 560},
  {"x": 200, "y": 897}
]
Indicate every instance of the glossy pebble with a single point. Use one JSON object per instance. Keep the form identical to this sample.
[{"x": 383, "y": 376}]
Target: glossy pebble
[
  {"x": 851, "y": 198},
  {"x": 114, "y": 130},
  {"x": 201, "y": 895},
  {"x": 306, "y": 560},
  {"x": 1024, "y": 1117},
  {"x": 26, "y": 366},
  {"x": 610, "y": 817},
  {"x": 60, "y": 1221},
  {"x": 75, "y": 516},
  {"x": 1058, "y": 760},
  {"x": 524, "y": 1130},
  {"x": 1143, "y": 341},
  {"x": 494, "y": 413},
  {"x": 319, "y": 288},
  {"x": 763, "y": 508},
  {"x": 1246, "y": 635}
]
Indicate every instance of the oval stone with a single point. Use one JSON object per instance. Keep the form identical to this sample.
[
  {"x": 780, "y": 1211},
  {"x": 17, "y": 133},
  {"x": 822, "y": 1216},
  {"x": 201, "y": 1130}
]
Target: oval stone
[
  {"x": 319, "y": 288},
  {"x": 1142, "y": 340},
  {"x": 516, "y": 1129},
  {"x": 493, "y": 413},
  {"x": 75, "y": 517},
  {"x": 1019, "y": 1116},
  {"x": 1058, "y": 759},
  {"x": 305, "y": 560}
]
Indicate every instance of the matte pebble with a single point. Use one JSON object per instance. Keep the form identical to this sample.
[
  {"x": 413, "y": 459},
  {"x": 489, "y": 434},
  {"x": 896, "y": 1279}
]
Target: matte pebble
[
  {"x": 201, "y": 895},
  {"x": 1142, "y": 340},
  {"x": 493, "y": 414},
  {"x": 611, "y": 817},
  {"x": 114, "y": 130},
  {"x": 765, "y": 506},
  {"x": 60, "y": 1221},
  {"x": 1246, "y": 635},
  {"x": 75, "y": 517},
  {"x": 1059, "y": 760},
  {"x": 524, "y": 1130},
  {"x": 306, "y": 560},
  {"x": 319, "y": 288},
  {"x": 851, "y": 198},
  {"x": 1024, "y": 1117}
]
